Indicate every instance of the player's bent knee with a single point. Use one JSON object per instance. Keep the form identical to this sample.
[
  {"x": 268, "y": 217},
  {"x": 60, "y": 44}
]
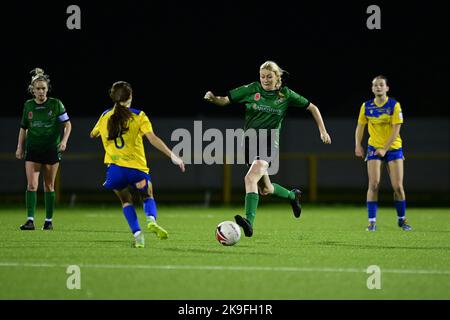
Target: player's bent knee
[
  {"x": 261, "y": 164},
  {"x": 250, "y": 179}
]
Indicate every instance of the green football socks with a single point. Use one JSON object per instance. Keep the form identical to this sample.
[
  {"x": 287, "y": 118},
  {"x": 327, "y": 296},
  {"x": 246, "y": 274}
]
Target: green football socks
[
  {"x": 30, "y": 200},
  {"x": 251, "y": 203},
  {"x": 281, "y": 192},
  {"x": 49, "y": 204}
]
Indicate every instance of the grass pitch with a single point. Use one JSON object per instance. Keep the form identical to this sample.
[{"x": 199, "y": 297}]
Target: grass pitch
[{"x": 323, "y": 255}]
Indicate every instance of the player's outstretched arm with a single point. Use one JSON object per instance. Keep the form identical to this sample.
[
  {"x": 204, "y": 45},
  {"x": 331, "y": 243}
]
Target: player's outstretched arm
[
  {"x": 161, "y": 146},
  {"x": 220, "y": 101},
  {"x": 324, "y": 136}
]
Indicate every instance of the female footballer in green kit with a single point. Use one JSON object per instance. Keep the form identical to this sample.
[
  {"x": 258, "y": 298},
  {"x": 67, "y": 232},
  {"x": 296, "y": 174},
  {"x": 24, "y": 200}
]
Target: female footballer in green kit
[
  {"x": 266, "y": 104},
  {"x": 41, "y": 145}
]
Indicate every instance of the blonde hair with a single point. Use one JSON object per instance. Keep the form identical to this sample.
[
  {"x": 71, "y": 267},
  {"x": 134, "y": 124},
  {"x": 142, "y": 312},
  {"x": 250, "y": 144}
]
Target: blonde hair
[
  {"x": 275, "y": 68},
  {"x": 37, "y": 74}
]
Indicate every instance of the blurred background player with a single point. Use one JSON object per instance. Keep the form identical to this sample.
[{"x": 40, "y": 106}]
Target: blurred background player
[
  {"x": 266, "y": 103},
  {"x": 384, "y": 116},
  {"x": 41, "y": 145},
  {"x": 121, "y": 130}
]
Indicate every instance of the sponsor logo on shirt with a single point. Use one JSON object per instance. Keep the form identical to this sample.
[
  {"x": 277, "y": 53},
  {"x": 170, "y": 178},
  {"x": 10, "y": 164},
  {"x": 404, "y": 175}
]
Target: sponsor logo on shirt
[
  {"x": 378, "y": 111},
  {"x": 41, "y": 124},
  {"x": 266, "y": 109}
]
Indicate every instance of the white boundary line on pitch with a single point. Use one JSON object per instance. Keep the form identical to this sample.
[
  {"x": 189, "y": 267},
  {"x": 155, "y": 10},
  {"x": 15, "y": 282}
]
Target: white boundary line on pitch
[{"x": 220, "y": 268}]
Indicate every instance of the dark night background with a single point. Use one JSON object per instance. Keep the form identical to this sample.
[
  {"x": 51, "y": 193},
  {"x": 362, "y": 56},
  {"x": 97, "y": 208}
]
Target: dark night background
[{"x": 173, "y": 52}]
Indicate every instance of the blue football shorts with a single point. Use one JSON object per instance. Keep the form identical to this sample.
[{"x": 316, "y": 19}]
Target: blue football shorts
[
  {"x": 389, "y": 156},
  {"x": 118, "y": 178}
]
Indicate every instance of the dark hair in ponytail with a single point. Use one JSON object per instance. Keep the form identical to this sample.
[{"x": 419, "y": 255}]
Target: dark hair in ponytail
[{"x": 118, "y": 122}]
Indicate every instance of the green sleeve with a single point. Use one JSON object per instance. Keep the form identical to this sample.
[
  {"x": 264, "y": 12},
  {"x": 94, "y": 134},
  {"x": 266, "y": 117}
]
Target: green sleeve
[
  {"x": 60, "y": 109},
  {"x": 297, "y": 100},
  {"x": 239, "y": 94},
  {"x": 24, "y": 122}
]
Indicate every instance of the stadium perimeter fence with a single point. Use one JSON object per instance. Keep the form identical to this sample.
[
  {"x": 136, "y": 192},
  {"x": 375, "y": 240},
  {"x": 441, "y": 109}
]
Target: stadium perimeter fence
[{"x": 324, "y": 177}]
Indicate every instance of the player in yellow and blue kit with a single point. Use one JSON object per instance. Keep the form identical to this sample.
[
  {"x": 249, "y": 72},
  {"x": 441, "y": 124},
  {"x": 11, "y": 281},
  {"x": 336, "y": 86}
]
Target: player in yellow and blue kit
[
  {"x": 122, "y": 129},
  {"x": 384, "y": 118}
]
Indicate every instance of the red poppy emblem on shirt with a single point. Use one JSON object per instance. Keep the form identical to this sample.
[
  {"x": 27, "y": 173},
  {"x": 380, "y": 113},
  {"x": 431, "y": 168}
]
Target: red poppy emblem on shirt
[
  {"x": 30, "y": 115},
  {"x": 257, "y": 96}
]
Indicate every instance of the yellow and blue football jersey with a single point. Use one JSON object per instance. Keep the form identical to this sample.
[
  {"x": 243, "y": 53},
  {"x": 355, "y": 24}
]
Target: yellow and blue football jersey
[
  {"x": 126, "y": 150},
  {"x": 381, "y": 118}
]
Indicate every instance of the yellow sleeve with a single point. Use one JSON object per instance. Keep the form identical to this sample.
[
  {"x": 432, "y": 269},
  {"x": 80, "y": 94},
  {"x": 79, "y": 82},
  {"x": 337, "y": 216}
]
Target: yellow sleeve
[
  {"x": 146, "y": 125},
  {"x": 397, "y": 116},
  {"x": 96, "y": 131},
  {"x": 362, "y": 117}
]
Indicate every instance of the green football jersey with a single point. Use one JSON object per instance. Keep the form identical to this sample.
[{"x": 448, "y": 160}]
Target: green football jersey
[
  {"x": 43, "y": 122},
  {"x": 266, "y": 109}
]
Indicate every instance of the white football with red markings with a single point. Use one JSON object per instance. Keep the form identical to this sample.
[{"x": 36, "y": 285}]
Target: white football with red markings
[{"x": 228, "y": 233}]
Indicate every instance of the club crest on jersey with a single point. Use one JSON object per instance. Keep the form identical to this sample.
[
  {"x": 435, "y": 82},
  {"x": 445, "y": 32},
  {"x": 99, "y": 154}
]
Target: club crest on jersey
[
  {"x": 30, "y": 115},
  {"x": 280, "y": 100},
  {"x": 257, "y": 96},
  {"x": 50, "y": 112}
]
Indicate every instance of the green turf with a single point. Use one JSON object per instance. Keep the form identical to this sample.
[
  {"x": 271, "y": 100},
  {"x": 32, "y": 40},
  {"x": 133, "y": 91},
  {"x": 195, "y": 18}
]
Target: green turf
[{"x": 322, "y": 255}]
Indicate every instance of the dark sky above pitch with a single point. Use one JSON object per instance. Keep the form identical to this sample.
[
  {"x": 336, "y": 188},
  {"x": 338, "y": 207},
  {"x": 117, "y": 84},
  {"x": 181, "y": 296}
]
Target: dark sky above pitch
[{"x": 173, "y": 52}]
